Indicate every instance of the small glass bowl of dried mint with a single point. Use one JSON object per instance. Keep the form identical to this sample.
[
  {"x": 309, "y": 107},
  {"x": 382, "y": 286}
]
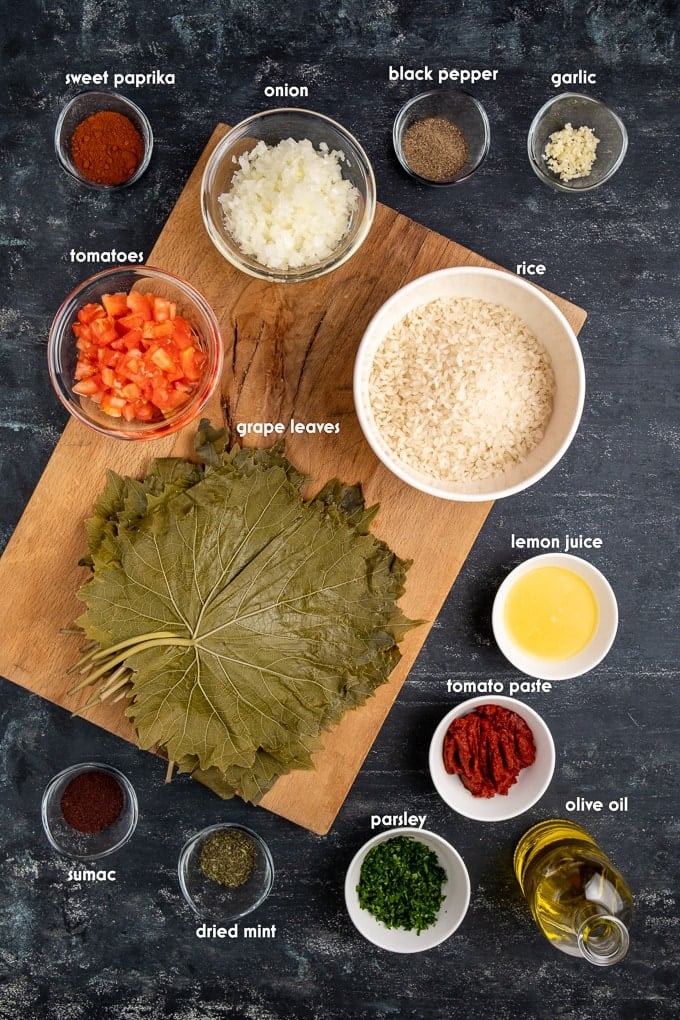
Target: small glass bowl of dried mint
[{"x": 225, "y": 872}]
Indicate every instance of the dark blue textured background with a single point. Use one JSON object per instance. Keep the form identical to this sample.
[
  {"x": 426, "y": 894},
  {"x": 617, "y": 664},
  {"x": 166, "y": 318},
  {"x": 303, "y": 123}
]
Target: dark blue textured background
[{"x": 128, "y": 950}]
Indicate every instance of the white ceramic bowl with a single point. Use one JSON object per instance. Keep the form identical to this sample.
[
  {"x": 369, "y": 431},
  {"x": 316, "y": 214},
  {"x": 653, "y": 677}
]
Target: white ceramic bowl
[
  {"x": 549, "y": 326},
  {"x": 532, "y": 781},
  {"x": 597, "y": 647},
  {"x": 456, "y": 889}
]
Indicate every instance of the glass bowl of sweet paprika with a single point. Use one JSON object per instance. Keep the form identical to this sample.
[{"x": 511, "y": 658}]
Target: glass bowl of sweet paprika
[
  {"x": 103, "y": 140},
  {"x": 135, "y": 353},
  {"x": 89, "y": 810}
]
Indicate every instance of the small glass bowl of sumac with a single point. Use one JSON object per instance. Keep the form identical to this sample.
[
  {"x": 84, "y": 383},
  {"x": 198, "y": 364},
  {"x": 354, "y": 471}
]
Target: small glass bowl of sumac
[
  {"x": 135, "y": 353},
  {"x": 89, "y": 810}
]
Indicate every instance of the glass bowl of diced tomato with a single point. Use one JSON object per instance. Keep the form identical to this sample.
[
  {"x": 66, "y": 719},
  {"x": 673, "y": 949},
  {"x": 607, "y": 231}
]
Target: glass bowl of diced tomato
[{"x": 135, "y": 352}]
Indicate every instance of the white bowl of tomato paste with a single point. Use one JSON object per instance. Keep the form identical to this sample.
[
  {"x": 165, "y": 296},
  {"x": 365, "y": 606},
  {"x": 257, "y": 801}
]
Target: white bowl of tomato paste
[{"x": 492, "y": 758}]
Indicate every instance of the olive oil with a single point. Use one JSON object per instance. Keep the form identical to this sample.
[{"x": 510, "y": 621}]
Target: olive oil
[{"x": 577, "y": 897}]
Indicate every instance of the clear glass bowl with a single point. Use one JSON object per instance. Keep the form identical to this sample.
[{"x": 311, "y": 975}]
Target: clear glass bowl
[
  {"x": 62, "y": 353},
  {"x": 86, "y": 104},
  {"x": 213, "y": 901},
  {"x": 271, "y": 127},
  {"x": 464, "y": 111},
  {"x": 87, "y": 845},
  {"x": 579, "y": 111}
]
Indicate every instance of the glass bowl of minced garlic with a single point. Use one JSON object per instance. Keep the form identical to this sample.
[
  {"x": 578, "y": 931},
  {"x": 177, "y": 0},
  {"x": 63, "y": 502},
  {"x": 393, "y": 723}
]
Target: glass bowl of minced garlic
[{"x": 576, "y": 143}]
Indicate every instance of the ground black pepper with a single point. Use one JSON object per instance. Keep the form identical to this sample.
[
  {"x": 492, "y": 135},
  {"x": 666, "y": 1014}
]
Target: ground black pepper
[
  {"x": 434, "y": 148},
  {"x": 92, "y": 801}
]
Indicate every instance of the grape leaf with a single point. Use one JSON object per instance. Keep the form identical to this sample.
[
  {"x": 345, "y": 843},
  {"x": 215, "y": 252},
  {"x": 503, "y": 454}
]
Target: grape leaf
[{"x": 240, "y": 619}]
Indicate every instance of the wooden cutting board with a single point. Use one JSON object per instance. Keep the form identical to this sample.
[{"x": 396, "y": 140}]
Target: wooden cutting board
[{"x": 289, "y": 353}]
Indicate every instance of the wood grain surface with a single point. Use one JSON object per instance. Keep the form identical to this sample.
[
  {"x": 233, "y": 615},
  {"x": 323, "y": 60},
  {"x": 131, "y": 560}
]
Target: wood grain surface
[{"x": 289, "y": 352}]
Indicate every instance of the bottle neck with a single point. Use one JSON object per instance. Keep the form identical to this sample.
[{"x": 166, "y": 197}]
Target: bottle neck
[{"x": 603, "y": 940}]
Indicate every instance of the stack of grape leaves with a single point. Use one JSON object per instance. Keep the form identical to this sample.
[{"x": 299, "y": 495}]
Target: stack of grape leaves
[{"x": 238, "y": 619}]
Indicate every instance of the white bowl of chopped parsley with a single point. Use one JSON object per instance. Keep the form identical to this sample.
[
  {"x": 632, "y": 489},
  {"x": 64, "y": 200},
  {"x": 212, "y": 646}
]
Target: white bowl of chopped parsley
[{"x": 407, "y": 890}]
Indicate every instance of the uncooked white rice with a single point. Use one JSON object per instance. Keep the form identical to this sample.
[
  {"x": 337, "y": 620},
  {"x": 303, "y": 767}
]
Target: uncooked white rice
[{"x": 461, "y": 389}]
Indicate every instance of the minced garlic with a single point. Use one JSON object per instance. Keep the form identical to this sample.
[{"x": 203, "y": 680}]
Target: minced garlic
[{"x": 570, "y": 153}]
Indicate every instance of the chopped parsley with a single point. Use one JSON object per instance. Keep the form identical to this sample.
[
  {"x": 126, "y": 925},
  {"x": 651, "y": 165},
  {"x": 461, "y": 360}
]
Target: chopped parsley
[{"x": 400, "y": 884}]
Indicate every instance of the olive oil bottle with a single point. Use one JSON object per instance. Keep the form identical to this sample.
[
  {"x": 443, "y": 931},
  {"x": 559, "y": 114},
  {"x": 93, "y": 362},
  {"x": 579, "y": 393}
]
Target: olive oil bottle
[{"x": 578, "y": 898}]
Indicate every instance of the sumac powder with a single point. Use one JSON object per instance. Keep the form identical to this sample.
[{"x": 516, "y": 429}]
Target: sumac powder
[{"x": 92, "y": 801}]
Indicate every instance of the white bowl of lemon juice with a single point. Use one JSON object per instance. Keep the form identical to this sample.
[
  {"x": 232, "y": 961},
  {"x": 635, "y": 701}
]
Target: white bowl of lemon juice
[{"x": 555, "y": 617}]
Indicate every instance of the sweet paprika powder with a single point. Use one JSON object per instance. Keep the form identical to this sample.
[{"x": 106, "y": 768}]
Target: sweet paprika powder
[
  {"x": 92, "y": 801},
  {"x": 107, "y": 148}
]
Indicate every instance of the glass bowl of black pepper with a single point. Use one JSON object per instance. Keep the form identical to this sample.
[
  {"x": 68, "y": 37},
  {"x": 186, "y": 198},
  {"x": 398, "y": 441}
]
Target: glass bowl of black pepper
[
  {"x": 225, "y": 872},
  {"x": 441, "y": 137},
  {"x": 89, "y": 811}
]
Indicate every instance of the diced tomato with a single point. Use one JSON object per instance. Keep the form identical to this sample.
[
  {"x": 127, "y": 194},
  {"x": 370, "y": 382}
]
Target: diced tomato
[
  {"x": 162, "y": 359},
  {"x": 103, "y": 330},
  {"x": 115, "y": 304},
  {"x": 87, "y": 387},
  {"x": 89, "y": 312},
  {"x": 193, "y": 362},
  {"x": 163, "y": 310},
  {"x": 137, "y": 358},
  {"x": 141, "y": 303},
  {"x": 184, "y": 336}
]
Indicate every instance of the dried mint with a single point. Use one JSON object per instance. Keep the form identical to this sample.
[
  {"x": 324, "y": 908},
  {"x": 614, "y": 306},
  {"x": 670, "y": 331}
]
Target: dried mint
[
  {"x": 228, "y": 857},
  {"x": 400, "y": 884}
]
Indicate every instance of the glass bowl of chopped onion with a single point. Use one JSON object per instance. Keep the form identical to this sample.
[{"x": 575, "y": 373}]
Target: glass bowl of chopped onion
[
  {"x": 135, "y": 353},
  {"x": 225, "y": 872},
  {"x": 576, "y": 143},
  {"x": 288, "y": 195}
]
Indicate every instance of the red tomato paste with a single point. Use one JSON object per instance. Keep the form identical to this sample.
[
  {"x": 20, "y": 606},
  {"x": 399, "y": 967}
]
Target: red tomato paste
[{"x": 488, "y": 748}]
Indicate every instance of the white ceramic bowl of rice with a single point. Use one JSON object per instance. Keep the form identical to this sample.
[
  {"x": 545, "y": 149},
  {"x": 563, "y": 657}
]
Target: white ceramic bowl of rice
[
  {"x": 288, "y": 195},
  {"x": 469, "y": 384}
]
